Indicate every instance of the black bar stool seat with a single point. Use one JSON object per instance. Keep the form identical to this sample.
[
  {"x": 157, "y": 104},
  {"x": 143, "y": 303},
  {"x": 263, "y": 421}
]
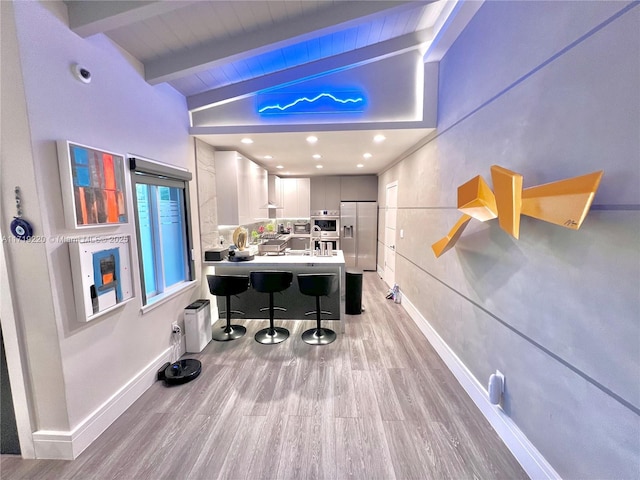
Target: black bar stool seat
[
  {"x": 271, "y": 281},
  {"x": 318, "y": 285},
  {"x": 225, "y": 286}
]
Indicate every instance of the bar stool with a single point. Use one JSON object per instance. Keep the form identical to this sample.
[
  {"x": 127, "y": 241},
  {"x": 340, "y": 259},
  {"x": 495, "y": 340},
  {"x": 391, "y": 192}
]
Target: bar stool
[
  {"x": 318, "y": 285},
  {"x": 225, "y": 286},
  {"x": 271, "y": 281}
]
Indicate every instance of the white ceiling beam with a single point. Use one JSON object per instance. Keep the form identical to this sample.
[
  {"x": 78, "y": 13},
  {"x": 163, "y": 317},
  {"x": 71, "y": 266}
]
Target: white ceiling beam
[
  {"x": 342, "y": 15},
  {"x": 316, "y": 127},
  {"x": 87, "y": 18},
  {"x": 353, "y": 58},
  {"x": 452, "y": 21}
]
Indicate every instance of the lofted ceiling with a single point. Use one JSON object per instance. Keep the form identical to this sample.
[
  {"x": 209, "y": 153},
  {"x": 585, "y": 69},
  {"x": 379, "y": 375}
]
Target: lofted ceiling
[{"x": 218, "y": 51}]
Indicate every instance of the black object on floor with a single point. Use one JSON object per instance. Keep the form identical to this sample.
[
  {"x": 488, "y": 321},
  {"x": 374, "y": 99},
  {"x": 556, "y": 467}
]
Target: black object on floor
[
  {"x": 182, "y": 371},
  {"x": 353, "y": 292}
]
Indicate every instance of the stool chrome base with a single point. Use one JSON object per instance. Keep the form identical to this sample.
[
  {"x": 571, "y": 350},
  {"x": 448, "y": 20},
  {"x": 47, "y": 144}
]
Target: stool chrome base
[
  {"x": 222, "y": 335},
  {"x": 319, "y": 336},
  {"x": 268, "y": 336}
]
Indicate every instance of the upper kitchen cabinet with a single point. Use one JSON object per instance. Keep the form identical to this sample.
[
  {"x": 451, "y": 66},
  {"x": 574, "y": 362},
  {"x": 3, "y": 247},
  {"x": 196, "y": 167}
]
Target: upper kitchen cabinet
[
  {"x": 258, "y": 195},
  {"x": 325, "y": 193},
  {"x": 295, "y": 198},
  {"x": 275, "y": 190},
  {"x": 360, "y": 188},
  {"x": 241, "y": 189}
]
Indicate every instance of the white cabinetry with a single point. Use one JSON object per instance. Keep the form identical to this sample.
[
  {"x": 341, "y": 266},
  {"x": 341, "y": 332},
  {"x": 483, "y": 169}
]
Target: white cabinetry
[
  {"x": 275, "y": 190},
  {"x": 295, "y": 197},
  {"x": 241, "y": 189},
  {"x": 258, "y": 190}
]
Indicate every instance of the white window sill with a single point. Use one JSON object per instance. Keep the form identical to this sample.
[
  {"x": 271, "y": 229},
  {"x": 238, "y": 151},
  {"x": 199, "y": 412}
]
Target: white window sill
[{"x": 163, "y": 298}]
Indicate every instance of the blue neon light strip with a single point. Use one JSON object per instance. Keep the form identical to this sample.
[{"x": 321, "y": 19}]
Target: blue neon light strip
[
  {"x": 311, "y": 100},
  {"x": 292, "y": 103}
]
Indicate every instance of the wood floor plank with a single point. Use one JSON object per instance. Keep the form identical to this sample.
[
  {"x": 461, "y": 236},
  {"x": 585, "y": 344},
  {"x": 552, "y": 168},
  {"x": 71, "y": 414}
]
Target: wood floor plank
[
  {"x": 217, "y": 441},
  {"x": 344, "y": 400},
  {"x": 349, "y": 456},
  {"x": 358, "y": 355},
  {"x": 260, "y": 389},
  {"x": 412, "y": 405},
  {"x": 386, "y": 396},
  {"x": 267, "y": 453},
  {"x": 364, "y": 389},
  {"x": 376, "y": 403},
  {"x": 166, "y": 446},
  {"x": 296, "y": 445},
  {"x": 361, "y": 449},
  {"x": 242, "y": 448}
]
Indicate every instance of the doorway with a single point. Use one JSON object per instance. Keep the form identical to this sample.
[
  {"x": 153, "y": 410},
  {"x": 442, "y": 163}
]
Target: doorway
[
  {"x": 390, "y": 220},
  {"x": 9, "y": 442}
]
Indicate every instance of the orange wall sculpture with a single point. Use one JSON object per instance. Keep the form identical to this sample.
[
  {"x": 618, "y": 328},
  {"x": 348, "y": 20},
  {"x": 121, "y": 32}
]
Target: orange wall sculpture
[{"x": 565, "y": 203}]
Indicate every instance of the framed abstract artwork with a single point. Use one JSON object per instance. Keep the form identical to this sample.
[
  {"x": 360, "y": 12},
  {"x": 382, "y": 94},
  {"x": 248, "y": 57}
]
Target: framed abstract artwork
[
  {"x": 101, "y": 270},
  {"x": 93, "y": 186}
]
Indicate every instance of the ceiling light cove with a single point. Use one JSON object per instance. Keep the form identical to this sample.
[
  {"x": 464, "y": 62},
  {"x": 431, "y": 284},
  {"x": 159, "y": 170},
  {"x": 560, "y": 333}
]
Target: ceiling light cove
[{"x": 322, "y": 102}]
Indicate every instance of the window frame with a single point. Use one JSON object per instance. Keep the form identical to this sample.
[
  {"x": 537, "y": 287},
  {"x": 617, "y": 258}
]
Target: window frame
[{"x": 149, "y": 172}]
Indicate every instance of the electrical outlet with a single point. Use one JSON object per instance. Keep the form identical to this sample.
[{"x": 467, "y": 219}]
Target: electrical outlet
[{"x": 175, "y": 328}]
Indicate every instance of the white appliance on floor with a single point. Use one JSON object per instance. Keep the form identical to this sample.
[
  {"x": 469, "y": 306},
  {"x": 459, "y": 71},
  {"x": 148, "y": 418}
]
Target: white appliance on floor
[{"x": 197, "y": 325}]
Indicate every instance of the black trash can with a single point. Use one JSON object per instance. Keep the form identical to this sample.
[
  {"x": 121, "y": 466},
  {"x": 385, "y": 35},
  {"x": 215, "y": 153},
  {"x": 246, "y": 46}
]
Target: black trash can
[{"x": 353, "y": 292}]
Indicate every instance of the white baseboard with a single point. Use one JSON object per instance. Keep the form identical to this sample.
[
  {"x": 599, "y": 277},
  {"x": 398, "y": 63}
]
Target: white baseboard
[
  {"x": 61, "y": 445},
  {"x": 522, "y": 449}
]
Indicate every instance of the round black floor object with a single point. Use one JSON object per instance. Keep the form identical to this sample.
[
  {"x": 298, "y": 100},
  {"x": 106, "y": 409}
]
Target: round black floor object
[{"x": 182, "y": 371}]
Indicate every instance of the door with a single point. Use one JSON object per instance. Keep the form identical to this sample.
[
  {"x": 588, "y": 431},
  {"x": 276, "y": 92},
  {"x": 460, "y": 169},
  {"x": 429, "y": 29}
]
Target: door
[
  {"x": 367, "y": 235},
  {"x": 348, "y": 232},
  {"x": 390, "y": 214}
]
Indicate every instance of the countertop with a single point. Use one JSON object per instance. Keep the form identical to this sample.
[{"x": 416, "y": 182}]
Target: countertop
[{"x": 287, "y": 259}]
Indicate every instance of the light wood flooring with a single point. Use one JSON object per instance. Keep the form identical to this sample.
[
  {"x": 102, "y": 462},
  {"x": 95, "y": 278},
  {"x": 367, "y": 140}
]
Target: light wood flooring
[{"x": 378, "y": 403}]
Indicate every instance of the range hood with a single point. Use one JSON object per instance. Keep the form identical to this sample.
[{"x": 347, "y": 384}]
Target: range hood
[{"x": 271, "y": 204}]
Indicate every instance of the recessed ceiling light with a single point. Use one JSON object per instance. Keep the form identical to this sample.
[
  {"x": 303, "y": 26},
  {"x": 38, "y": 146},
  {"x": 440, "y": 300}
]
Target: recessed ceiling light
[
  {"x": 246, "y": 140},
  {"x": 318, "y": 166},
  {"x": 267, "y": 157},
  {"x": 317, "y": 156},
  {"x": 379, "y": 138},
  {"x": 279, "y": 166},
  {"x": 360, "y": 165},
  {"x": 312, "y": 139},
  {"x": 367, "y": 155}
]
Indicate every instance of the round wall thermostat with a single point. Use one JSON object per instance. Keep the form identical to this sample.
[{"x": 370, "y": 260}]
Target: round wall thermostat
[{"x": 21, "y": 229}]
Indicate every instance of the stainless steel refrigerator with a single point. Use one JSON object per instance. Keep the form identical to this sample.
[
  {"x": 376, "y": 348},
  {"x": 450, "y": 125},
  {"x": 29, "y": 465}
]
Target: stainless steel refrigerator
[{"x": 358, "y": 233}]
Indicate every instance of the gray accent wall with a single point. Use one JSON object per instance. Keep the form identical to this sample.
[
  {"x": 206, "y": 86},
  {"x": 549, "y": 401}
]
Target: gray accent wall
[{"x": 550, "y": 90}]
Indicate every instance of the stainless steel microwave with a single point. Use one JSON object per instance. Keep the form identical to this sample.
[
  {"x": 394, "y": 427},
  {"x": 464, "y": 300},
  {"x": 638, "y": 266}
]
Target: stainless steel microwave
[{"x": 302, "y": 228}]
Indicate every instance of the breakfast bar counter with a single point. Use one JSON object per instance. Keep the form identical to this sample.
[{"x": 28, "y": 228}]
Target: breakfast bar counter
[{"x": 250, "y": 302}]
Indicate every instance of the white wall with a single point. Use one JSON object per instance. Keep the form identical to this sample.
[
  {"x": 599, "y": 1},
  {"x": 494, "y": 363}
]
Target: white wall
[
  {"x": 79, "y": 370},
  {"x": 550, "y": 90}
]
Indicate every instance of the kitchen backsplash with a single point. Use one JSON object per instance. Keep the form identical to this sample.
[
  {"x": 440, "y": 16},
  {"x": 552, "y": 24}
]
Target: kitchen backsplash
[{"x": 227, "y": 232}]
